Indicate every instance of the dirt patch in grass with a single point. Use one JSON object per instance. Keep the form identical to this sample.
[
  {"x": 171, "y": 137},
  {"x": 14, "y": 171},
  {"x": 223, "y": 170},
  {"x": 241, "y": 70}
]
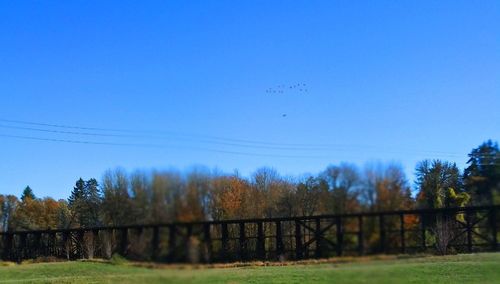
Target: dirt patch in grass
[{"x": 333, "y": 260}]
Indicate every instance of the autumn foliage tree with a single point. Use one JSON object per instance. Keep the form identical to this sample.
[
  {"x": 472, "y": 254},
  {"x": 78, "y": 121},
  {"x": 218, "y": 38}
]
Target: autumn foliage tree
[{"x": 148, "y": 197}]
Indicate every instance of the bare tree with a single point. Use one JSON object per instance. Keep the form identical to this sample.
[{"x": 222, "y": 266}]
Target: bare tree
[{"x": 443, "y": 232}]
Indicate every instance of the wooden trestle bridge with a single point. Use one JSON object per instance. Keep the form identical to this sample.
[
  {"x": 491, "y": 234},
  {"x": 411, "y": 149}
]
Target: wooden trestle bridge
[{"x": 467, "y": 229}]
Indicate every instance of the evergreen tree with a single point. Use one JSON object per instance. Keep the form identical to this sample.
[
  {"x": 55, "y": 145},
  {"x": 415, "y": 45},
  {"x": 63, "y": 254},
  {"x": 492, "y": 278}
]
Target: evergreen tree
[
  {"x": 76, "y": 203},
  {"x": 28, "y": 193},
  {"x": 438, "y": 182},
  {"x": 93, "y": 201},
  {"x": 482, "y": 176},
  {"x": 77, "y": 195},
  {"x": 84, "y": 203}
]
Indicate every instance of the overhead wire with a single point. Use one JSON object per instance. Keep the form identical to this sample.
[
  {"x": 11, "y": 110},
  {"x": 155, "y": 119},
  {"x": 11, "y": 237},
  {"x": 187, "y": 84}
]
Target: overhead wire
[{"x": 141, "y": 134}]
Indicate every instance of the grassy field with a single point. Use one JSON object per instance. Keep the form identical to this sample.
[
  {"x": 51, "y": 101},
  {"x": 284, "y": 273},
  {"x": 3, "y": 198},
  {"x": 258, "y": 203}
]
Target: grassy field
[{"x": 475, "y": 268}]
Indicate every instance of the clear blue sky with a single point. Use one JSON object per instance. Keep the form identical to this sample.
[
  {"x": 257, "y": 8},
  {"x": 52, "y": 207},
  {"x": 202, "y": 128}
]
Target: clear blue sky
[{"x": 387, "y": 80}]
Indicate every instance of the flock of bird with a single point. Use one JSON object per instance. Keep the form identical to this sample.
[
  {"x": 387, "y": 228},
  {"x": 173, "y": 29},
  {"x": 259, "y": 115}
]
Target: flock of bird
[{"x": 281, "y": 89}]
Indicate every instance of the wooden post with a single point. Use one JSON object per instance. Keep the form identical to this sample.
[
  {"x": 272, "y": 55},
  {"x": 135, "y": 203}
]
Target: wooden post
[
  {"x": 95, "y": 242},
  {"x": 138, "y": 233},
  {"x": 298, "y": 241},
  {"x": 225, "y": 242},
  {"x": 187, "y": 243},
  {"x": 422, "y": 231},
  {"x": 189, "y": 231},
  {"x": 279, "y": 240},
  {"x": 382, "y": 232},
  {"x": 138, "y": 237},
  {"x": 52, "y": 248},
  {"x": 261, "y": 245},
  {"x": 208, "y": 241},
  {"x": 361, "y": 248},
  {"x": 37, "y": 245},
  {"x": 317, "y": 236},
  {"x": 124, "y": 241},
  {"x": 172, "y": 242},
  {"x": 243, "y": 242},
  {"x": 23, "y": 249},
  {"x": 81, "y": 243},
  {"x": 7, "y": 246},
  {"x": 469, "y": 231},
  {"x": 494, "y": 231},
  {"x": 402, "y": 232},
  {"x": 155, "y": 246},
  {"x": 340, "y": 236},
  {"x": 67, "y": 244}
]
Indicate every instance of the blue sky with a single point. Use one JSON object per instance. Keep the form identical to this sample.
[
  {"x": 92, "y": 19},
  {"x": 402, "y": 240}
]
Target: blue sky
[{"x": 386, "y": 81}]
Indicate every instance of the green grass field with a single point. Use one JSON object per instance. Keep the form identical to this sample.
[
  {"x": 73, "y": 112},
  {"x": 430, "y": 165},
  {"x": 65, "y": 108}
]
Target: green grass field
[{"x": 475, "y": 268}]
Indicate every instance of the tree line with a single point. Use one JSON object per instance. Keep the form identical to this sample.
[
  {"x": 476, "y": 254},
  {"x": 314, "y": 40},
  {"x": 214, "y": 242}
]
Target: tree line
[{"x": 200, "y": 194}]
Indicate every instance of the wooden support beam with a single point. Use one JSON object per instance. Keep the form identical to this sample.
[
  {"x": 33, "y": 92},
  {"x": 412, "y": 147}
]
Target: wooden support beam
[
  {"x": 361, "y": 249},
  {"x": 80, "y": 246},
  {"x": 299, "y": 251},
  {"x": 261, "y": 245},
  {"x": 172, "y": 243},
  {"x": 381, "y": 221},
  {"x": 7, "y": 246},
  {"x": 23, "y": 246},
  {"x": 189, "y": 231},
  {"x": 318, "y": 236},
  {"x": 280, "y": 248},
  {"x": 138, "y": 232},
  {"x": 95, "y": 243},
  {"x": 67, "y": 244},
  {"x": 207, "y": 236},
  {"x": 340, "y": 237},
  {"x": 494, "y": 229},
  {"x": 124, "y": 241},
  {"x": 468, "y": 230},
  {"x": 53, "y": 246},
  {"x": 243, "y": 241},
  {"x": 37, "y": 245},
  {"x": 225, "y": 242},
  {"x": 402, "y": 232},
  {"x": 422, "y": 230},
  {"x": 155, "y": 245}
]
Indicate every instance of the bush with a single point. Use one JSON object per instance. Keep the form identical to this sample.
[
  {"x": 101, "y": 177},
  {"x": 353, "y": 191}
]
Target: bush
[
  {"x": 43, "y": 259},
  {"x": 118, "y": 259}
]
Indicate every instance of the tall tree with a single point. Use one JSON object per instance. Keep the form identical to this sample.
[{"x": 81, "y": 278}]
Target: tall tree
[
  {"x": 195, "y": 200},
  {"x": 482, "y": 176},
  {"x": 28, "y": 193},
  {"x": 8, "y": 207},
  {"x": 116, "y": 204},
  {"x": 76, "y": 203},
  {"x": 141, "y": 195},
  {"x": 8, "y": 204},
  {"x": 229, "y": 198},
  {"x": 29, "y": 212},
  {"x": 386, "y": 188},
  {"x": 312, "y": 195},
  {"x": 438, "y": 182},
  {"x": 343, "y": 184},
  {"x": 268, "y": 188},
  {"x": 166, "y": 191},
  {"x": 93, "y": 200}
]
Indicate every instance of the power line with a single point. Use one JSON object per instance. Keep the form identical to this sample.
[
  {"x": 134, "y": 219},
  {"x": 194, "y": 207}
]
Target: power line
[
  {"x": 159, "y": 137},
  {"x": 151, "y": 132},
  {"x": 160, "y": 146},
  {"x": 154, "y": 146},
  {"x": 199, "y": 138}
]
